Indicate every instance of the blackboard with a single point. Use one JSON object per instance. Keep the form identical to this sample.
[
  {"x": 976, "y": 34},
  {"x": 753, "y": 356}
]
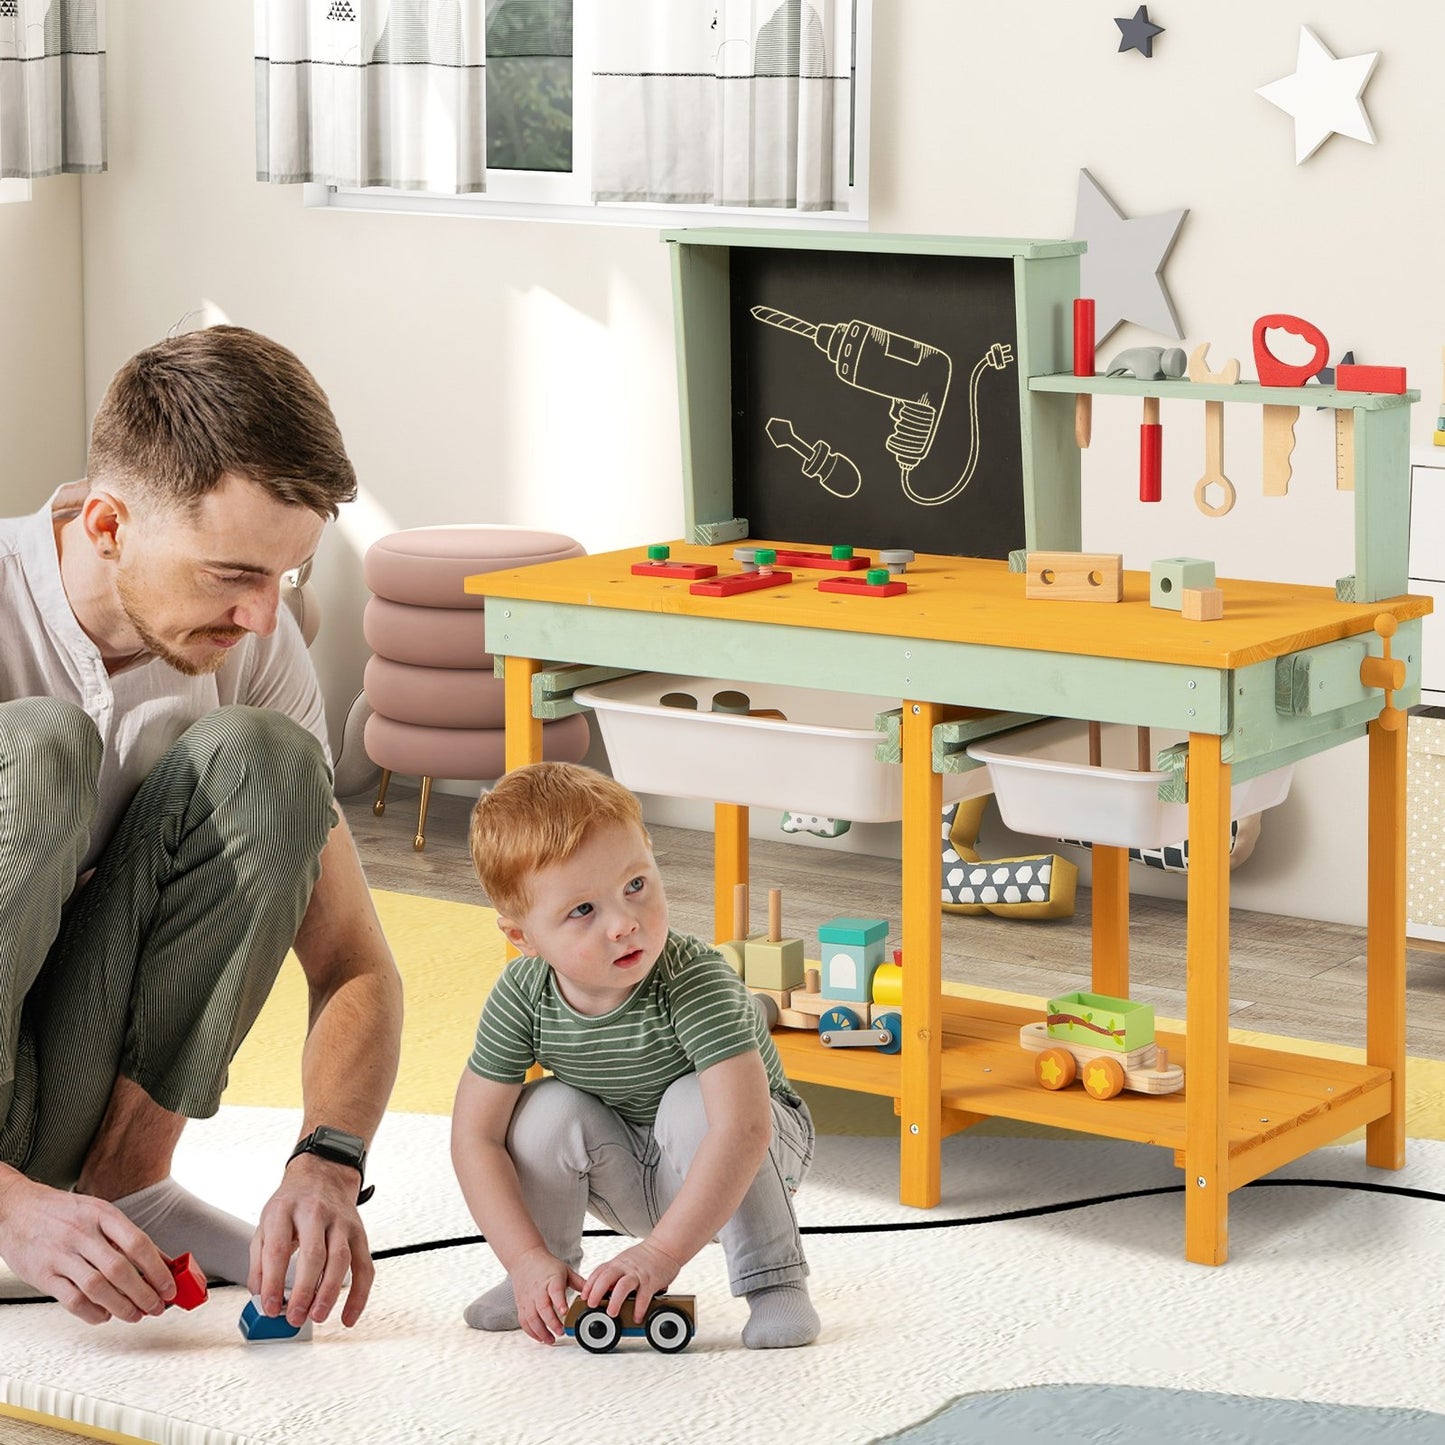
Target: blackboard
[{"x": 835, "y": 354}]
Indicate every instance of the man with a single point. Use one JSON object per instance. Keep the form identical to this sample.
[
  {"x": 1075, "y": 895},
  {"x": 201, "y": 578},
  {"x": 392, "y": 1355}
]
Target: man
[{"x": 167, "y": 832}]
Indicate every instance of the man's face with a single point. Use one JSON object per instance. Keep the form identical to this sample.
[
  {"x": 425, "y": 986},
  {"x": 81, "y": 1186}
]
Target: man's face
[{"x": 192, "y": 585}]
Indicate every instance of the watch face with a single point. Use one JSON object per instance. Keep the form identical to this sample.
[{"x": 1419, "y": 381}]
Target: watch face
[{"x": 338, "y": 1145}]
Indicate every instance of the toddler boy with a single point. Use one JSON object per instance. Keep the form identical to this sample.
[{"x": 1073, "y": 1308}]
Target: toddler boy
[{"x": 667, "y": 1113}]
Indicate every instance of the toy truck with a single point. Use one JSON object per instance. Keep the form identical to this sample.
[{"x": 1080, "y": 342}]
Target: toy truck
[
  {"x": 1107, "y": 1043},
  {"x": 669, "y": 1325}
]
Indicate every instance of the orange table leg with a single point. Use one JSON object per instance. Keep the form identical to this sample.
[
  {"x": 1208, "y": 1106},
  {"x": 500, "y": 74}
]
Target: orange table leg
[
  {"x": 524, "y": 732},
  {"x": 523, "y": 741},
  {"x": 1206, "y": 1038},
  {"x": 1111, "y": 920},
  {"x": 921, "y": 1060},
  {"x": 1385, "y": 946},
  {"x": 729, "y": 863}
]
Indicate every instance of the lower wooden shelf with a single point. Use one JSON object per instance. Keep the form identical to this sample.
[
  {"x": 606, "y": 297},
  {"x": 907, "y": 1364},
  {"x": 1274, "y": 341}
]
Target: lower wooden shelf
[{"x": 1281, "y": 1105}]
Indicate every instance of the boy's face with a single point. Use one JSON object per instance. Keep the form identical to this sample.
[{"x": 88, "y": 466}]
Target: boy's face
[{"x": 599, "y": 919}]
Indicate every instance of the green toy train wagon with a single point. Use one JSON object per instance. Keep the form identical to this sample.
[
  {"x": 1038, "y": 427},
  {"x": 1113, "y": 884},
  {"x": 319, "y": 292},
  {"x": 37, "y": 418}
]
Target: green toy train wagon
[{"x": 1107, "y": 1043}]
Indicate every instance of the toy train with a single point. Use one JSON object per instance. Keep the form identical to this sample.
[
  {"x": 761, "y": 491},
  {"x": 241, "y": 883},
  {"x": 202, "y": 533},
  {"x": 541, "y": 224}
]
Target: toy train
[
  {"x": 1107, "y": 1043},
  {"x": 852, "y": 999}
]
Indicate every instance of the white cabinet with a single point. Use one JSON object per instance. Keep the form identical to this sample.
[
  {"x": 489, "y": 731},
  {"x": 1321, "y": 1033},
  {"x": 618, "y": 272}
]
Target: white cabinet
[
  {"x": 1427, "y": 561},
  {"x": 1425, "y": 854}
]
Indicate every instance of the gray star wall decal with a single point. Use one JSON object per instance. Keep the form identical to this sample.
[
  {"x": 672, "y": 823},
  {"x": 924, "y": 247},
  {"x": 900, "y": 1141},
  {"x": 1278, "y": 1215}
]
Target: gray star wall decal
[
  {"x": 1138, "y": 33},
  {"x": 1123, "y": 267}
]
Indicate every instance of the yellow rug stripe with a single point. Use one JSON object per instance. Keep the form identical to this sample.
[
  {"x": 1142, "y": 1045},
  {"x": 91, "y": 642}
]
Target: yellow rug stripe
[
  {"x": 54, "y": 1429},
  {"x": 449, "y": 955}
]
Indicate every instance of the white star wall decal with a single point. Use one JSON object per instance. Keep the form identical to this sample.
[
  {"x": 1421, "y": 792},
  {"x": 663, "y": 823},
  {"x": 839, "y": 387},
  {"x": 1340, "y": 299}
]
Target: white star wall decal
[
  {"x": 1323, "y": 95},
  {"x": 1124, "y": 265}
]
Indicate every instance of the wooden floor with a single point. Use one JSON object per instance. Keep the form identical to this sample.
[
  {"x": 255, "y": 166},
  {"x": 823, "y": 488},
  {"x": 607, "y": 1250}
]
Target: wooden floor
[{"x": 1302, "y": 979}]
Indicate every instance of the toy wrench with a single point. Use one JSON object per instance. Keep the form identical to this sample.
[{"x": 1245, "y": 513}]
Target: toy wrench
[{"x": 1213, "y": 435}]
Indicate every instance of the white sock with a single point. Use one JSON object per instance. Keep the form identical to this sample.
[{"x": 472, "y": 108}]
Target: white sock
[
  {"x": 177, "y": 1222},
  {"x": 495, "y": 1310},
  {"x": 780, "y": 1317}
]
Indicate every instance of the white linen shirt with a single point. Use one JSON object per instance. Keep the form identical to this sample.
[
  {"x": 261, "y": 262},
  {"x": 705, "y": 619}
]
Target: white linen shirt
[{"x": 143, "y": 709}]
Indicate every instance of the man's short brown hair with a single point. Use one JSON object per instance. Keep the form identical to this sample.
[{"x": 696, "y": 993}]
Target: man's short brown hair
[
  {"x": 183, "y": 414},
  {"x": 537, "y": 816}
]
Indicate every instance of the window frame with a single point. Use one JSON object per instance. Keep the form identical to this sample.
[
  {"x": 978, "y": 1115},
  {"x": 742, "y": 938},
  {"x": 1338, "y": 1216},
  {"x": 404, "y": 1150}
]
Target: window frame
[{"x": 565, "y": 196}]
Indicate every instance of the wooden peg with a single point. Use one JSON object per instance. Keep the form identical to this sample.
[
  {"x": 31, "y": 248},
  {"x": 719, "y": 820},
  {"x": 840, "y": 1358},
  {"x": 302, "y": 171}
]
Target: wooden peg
[{"x": 740, "y": 910}]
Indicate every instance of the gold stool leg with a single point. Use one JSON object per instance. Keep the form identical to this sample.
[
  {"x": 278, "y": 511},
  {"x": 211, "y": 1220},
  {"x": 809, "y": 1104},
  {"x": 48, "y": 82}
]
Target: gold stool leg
[
  {"x": 379, "y": 806},
  {"x": 420, "y": 841}
]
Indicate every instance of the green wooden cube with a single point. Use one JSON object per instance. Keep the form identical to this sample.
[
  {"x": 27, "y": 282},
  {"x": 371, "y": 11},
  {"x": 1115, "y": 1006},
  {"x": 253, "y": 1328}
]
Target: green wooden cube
[
  {"x": 774, "y": 965},
  {"x": 1169, "y": 576}
]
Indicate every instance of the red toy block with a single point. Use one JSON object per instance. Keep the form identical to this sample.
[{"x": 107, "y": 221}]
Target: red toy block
[
  {"x": 735, "y": 582},
  {"x": 688, "y": 571},
  {"x": 824, "y": 561},
  {"x": 861, "y": 587},
  {"x": 190, "y": 1281},
  {"x": 1370, "y": 378}
]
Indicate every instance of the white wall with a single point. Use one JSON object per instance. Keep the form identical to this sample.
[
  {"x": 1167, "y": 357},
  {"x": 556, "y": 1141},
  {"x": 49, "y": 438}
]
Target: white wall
[
  {"x": 42, "y": 393},
  {"x": 521, "y": 372}
]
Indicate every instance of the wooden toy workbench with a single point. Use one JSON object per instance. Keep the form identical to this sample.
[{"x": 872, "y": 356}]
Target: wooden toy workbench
[{"x": 1276, "y": 679}]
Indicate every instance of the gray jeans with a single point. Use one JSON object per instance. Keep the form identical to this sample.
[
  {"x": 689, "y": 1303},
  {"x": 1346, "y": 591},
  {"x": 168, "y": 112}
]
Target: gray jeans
[
  {"x": 158, "y": 966},
  {"x": 574, "y": 1154}
]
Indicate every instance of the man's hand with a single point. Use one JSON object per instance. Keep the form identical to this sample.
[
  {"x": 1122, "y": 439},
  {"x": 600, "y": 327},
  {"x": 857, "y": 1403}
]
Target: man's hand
[
  {"x": 540, "y": 1282},
  {"x": 313, "y": 1215},
  {"x": 643, "y": 1268},
  {"x": 83, "y": 1251}
]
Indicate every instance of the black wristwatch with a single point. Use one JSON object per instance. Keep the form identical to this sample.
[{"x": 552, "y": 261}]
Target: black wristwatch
[{"x": 341, "y": 1148}]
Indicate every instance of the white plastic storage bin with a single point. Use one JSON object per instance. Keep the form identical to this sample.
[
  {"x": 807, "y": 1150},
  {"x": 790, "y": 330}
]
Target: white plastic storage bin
[
  {"x": 820, "y": 759},
  {"x": 1045, "y": 786}
]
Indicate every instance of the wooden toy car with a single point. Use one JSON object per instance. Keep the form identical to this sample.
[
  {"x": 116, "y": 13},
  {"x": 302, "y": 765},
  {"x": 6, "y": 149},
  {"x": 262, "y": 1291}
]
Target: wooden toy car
[
  {"x": 669, "y": 1326},
  {"x": 1122, "y": 1055}
]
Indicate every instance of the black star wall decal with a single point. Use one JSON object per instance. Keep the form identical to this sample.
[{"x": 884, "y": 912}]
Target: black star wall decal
[{"x": 1138, "y": 33}]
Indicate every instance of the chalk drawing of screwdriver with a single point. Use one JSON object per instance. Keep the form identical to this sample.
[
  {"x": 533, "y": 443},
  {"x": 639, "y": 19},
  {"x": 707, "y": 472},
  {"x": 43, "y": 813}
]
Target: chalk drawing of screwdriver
[
  {"x": 911, "y": 375},
  {"x": 835, "y": 472}
]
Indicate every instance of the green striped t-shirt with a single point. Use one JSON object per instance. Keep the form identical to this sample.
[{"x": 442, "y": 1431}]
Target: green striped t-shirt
[{"x": 690, "y": 1012}]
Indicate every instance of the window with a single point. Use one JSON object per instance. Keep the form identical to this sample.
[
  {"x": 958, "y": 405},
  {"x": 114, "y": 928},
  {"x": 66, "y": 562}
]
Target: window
[
  {"x": 539, "y": 120},
  {"x": 14, "y": 190}
]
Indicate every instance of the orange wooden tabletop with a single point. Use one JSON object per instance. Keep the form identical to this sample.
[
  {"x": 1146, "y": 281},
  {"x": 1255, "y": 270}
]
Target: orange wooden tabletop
[{"x": 970, "y": 599}]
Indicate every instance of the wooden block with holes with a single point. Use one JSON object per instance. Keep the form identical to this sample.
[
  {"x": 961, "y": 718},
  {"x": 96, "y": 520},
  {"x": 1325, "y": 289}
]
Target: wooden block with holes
[
  {"x": 1201, "y": 604},
  {"x": 1074, "y": 576}
]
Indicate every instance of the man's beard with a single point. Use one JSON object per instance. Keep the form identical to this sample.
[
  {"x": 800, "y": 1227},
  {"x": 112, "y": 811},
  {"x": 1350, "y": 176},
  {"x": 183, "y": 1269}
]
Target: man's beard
[{"x": 153, "y": 644}]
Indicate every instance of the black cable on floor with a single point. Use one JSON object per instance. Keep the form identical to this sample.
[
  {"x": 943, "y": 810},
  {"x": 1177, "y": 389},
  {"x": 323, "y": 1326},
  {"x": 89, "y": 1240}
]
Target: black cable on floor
[{"x": 1035, "y": 1211}]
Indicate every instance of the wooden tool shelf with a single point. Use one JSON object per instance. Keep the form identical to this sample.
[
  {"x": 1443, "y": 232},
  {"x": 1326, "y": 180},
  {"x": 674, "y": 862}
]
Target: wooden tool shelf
[{"x": 1244, "y": 392}]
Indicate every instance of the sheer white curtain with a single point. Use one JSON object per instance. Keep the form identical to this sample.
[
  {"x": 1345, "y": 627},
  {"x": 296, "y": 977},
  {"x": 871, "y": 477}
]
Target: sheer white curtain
[
  {"x": 723, "y": 102},
  {"x": 52, "y": 87},
  {"x": 372, "y": 93}
]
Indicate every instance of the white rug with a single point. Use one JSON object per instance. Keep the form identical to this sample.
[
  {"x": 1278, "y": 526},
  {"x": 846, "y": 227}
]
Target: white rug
[{"x": 1333, "y": 1296}]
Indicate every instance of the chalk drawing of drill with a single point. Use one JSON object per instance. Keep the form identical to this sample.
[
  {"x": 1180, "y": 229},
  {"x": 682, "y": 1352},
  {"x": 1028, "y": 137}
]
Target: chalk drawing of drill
[{"x": 911, "y": 375}]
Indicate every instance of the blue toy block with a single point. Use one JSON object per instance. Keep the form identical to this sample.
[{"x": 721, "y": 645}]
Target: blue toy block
[
  {"x": 851, "y": 950},
  {"x": 261, "y": 1328}
]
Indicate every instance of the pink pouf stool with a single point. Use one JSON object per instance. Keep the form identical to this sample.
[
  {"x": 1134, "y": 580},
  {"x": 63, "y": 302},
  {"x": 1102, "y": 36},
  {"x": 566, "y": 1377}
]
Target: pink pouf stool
[{"x": 437, "y": 709}]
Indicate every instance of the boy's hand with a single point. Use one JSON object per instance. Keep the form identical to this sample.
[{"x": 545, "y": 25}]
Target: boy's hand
[
  {"x": 644, "y": 1268},
  {"x": 540, "y": 1282}
]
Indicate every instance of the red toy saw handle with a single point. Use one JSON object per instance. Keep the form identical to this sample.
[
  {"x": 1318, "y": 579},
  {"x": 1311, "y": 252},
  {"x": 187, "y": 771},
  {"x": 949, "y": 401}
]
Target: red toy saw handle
[{"x": 1273, "y": 371}]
